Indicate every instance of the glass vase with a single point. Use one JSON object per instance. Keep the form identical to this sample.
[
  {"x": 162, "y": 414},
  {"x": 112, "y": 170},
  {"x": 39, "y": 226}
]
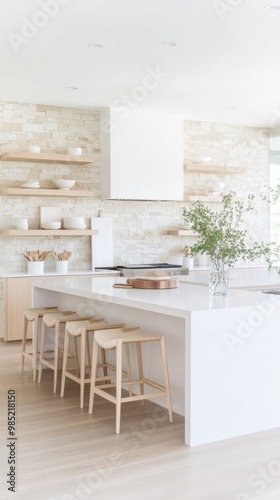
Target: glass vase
[{"x": 218, "y": 277}]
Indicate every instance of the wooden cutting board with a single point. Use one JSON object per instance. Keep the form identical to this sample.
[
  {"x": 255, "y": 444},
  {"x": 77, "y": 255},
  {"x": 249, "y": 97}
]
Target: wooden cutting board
[{"x": 153, "y": 284}]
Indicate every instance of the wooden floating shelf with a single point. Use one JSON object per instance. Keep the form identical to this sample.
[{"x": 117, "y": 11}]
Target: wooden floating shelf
[
  {"x": 49, "y": 232},
  {"x": 44, "y": 192},
  {"x": 181, "y": 232},
  {"x": 22, "y": 156},
  {"x": 200, "y": 168}
]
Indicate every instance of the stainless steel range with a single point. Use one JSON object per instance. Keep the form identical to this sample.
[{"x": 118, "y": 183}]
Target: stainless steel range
[{"x": 142, "y": 269}]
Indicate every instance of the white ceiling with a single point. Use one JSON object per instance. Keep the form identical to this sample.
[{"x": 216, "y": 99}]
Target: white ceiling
[{"x": 224, "y": 68}]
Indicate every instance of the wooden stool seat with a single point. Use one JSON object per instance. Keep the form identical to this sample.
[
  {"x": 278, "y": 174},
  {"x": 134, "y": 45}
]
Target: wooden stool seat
[
  {"x": 81, "y": 329},
  {"x": 55, "y": 320},
  {"x": 32, "y": 315},
  {"x": 116, "y": 339}
]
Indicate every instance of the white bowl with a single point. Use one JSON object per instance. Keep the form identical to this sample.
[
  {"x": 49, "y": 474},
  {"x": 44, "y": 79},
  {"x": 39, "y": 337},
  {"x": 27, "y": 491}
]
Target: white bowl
[
  {"x": 51, "y": 225},
  {"x": 74, "y": 220},
  {"x": 200, "y": 159},
  {"x": 31, "y": 185},
  {"x": 74, "y": 151},
  {"x": 63, "y": 183},
  {"x": 74, "y": 226},
  {"x": 33, "y": 149}
]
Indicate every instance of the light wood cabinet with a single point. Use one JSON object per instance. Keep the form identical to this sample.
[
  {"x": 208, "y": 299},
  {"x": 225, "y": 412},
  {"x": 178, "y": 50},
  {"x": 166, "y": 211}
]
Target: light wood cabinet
[{"x": 18, "y": 296}]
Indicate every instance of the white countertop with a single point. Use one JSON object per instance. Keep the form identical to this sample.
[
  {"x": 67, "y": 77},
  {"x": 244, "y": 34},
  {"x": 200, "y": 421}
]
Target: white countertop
[
  {"x": 240, "y": 278},
  {"x": 188, "y": 297},
  {"x": 54, "y": 273}
]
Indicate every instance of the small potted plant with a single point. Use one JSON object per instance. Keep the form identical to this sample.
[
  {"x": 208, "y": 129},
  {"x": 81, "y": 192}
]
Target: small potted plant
[
  {"x": 61, "y": 261},
  {"x": 223, "y": 236},
  {"x": 36, "y": 259}
]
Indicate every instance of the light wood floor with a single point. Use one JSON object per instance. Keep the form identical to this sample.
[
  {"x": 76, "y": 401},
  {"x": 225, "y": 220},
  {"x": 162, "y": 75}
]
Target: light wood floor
[{"x": 63, "y": 453}]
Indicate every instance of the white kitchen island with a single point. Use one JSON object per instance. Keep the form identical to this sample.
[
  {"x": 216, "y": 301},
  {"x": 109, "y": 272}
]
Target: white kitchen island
[{"x": 223, "y": 354}]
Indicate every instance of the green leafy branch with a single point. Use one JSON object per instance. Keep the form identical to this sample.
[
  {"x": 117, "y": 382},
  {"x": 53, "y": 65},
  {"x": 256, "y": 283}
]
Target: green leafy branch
[{"x": 221, "y": 234}]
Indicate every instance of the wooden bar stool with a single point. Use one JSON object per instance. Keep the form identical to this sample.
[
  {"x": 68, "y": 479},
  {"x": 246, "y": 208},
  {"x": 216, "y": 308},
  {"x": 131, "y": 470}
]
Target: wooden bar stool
[
  {"x": 82, "y": 329},
  {"x": 116, "y": 339},
  {"x": 55, "y": 320},
  {"x": 33, "y": 315}
]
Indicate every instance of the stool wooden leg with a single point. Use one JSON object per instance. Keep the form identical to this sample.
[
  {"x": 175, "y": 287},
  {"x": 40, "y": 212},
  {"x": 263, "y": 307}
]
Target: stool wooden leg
[
  {"x": 42, "y": 349},
  {"x": 35, "y": 346},
  {"x": 76, "y": 351},
  {"x": 23, "y": 344},
  {"x": 166, "y": 378},
  {"x": 118, "y": 385},
  {"x": 88, "y": 358},
  {"x": 56, "y": 345},
  {"x": 93, "y": 374},
  {"x": 140, "y": 368},
  {"x": 128, "y": 367},
  {"x": 103, "y": 362},
  {"x": 64, "y": 364},
  {"x": 83, "y": 367}
]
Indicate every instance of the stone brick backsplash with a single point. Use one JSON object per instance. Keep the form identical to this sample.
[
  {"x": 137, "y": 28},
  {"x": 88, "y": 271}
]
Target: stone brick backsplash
[{"x": 140, "y": 228}]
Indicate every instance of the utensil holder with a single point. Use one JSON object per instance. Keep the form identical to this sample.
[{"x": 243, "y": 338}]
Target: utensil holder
[
  {"x": 61, "y": 266},
  {"x": 35, "y": 267}
]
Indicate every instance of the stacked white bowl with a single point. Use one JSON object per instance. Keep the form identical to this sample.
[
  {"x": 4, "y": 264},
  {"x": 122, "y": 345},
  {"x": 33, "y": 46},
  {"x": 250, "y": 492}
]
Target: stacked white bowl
[{"x": 74, "y": 223}]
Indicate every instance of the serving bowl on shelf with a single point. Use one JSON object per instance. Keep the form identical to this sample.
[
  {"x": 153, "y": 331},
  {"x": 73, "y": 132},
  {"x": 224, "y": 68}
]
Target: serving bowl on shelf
[
  {"x": 30, "y": 185},
  {"x": 200, "y": 159},
  {"x": 63, "y": 183},
  {"x": 51, "y": 225},
  {"x": 74, "y": 223},
  {"x": 73, "y": 226}
]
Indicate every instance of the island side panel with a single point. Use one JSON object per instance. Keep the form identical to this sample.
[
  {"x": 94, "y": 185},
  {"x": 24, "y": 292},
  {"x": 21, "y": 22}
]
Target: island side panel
[{"x": 235, "y": 371}]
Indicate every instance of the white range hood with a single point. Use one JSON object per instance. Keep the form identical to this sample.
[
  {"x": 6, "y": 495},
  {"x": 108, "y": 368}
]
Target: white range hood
[{"x": 141, "y": 155}]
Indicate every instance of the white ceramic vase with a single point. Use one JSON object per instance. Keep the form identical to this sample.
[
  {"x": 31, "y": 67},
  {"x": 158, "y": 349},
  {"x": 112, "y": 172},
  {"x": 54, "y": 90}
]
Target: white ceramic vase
[
  {"x": 61, "y": 266},
  {"x": 188, "y": 262},
  {"x": 35, "y": 267}
]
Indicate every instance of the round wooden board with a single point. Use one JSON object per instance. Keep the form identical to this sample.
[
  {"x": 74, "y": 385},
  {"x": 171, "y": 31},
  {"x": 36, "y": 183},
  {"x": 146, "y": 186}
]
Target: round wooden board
[{"x": 153, "y": 284}]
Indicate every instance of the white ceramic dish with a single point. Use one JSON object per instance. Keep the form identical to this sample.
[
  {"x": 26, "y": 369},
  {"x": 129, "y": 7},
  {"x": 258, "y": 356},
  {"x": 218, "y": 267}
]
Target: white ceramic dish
[
  {"x": 76, "y": 220},
  {"x": 200, "y": 159},
  {"x": 33, "y": 149},
  {"x": 74, "y": 227},
  {"x": 51, "y": 225},
  {"x": 31, "y": 185},
  {"x": 63, "y": 183},
  {"x": 74, "y": 151}
]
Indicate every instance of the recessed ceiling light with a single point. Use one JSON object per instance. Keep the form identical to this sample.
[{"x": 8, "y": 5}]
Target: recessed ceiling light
[
  {"x": 95, "y": 45},
  {"x": 169, "y": 44},
  {"x": 272, "y": 7},
  {"x": 72, "y": 88},
  {"x": 231, "y": 108}
]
